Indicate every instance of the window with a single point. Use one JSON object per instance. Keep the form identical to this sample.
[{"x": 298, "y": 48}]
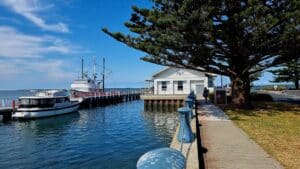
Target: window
[
  {"x": 164, "y": 86},
  {"x": 180, "y": 85},
  {"x": 42, "y": 103},
  {"x": 59, "y": 100}
]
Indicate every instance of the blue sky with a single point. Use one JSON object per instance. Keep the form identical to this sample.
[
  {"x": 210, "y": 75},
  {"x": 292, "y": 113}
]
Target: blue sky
[{"x": 43, "y": 41}]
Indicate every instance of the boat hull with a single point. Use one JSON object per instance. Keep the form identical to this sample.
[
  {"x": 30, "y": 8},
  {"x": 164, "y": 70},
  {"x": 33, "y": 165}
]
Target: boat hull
[{"x": 32, "y": 114}]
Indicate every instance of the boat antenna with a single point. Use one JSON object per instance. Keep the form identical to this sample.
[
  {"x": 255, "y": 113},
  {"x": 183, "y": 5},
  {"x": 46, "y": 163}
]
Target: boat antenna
[
  {"x": 82, "y": 69},
  {"x": 103, "y": 74},
  {"x": 94, "y": 71}
]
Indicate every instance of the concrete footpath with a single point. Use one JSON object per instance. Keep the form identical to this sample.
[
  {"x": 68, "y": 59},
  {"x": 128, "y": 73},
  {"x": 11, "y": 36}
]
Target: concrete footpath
[{"x": 228, "y": 147}]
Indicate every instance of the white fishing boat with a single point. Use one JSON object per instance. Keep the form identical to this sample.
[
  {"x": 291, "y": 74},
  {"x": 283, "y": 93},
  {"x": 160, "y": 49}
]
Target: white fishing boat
[
  {"x": 87, "y": 85},
  {"x": 44, "y": 104}
]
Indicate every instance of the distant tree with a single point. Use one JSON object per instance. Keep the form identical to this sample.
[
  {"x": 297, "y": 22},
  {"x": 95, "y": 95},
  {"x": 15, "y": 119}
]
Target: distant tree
[
  {"x": 232, "y": 38},
  {"x": 288, "y": 72}
]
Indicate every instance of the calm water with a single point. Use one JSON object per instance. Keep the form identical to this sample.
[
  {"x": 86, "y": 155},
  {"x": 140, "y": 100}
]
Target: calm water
[{"x": 106, "y": 137}]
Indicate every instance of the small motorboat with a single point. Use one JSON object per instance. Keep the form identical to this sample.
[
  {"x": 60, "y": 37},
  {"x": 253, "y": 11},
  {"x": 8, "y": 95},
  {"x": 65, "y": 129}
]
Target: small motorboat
[{"x": 44, "y": 104}]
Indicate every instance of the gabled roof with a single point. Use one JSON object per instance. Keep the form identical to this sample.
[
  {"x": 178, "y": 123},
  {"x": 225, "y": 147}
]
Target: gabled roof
[
  {"x": 167, "y": 68},
  {"x": 161, "y": 71}
]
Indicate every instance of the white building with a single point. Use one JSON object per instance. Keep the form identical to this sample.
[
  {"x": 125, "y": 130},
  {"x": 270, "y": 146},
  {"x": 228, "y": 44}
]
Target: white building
[{"x": 172, "y": 81}]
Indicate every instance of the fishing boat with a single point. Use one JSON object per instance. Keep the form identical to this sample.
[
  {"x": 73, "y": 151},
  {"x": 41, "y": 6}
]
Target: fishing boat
[
  {"x": 45, "y": 104},
  {"x": 86, "y": 85}
]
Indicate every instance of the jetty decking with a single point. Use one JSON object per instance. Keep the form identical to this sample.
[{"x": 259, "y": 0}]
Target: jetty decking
[{"x": 6, "y": 113}]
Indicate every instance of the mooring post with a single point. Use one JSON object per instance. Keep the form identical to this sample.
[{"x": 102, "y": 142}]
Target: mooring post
[
  {"x": 185, "y": 134},
  {"x": 189, "y": 103},
  {"x": 162, "y": 158}
]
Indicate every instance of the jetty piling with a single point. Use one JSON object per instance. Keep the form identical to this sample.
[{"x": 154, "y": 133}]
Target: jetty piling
[
  {"x": 105, "y": 98},
  {"x": 7, "y": 107}
]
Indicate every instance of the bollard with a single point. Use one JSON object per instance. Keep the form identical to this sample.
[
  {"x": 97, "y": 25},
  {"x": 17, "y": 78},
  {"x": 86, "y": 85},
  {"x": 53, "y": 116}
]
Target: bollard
[
  {"x": 162, "y": 158},
  {"x": 189, "y": 103},
  {"x": 185, "y": 134},
  {"x": 192, "y": 96}
]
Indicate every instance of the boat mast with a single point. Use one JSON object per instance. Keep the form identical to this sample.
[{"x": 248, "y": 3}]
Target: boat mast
[
  {"x": 82, "y": 69},
  {"x": 103, "y": 74},
  {"x": 94, "y": 70}
]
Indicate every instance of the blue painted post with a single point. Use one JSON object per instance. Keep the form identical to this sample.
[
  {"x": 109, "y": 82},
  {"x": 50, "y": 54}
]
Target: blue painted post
[
  {"x": 192, "y": 96},
  {"x": 164, "y": 158},
  {"x": 189, "y": 103},
  {"x": 185, "y": 134}
]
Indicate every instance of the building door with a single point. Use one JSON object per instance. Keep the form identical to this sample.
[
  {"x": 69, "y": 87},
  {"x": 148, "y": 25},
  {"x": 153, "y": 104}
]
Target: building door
[{"x": 199, "y": 89}]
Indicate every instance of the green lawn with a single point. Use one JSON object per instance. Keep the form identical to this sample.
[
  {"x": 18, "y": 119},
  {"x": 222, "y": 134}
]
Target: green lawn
[{"x": 274, "y": 126}]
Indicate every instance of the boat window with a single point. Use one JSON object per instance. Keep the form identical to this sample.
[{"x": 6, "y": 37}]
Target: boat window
[
  {"x": 24, "y": 101},
  {"x": 47, "y": 101},
  {"x": 59, "y": 100},
  {"x": 34, "y": 102},
  {"x": 42, "y": 103},
  {"x": 67, "y": 99}
]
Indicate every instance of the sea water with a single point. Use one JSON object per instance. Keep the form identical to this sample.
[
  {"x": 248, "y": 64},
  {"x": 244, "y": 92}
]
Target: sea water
[{"x": 111, "y": 137}]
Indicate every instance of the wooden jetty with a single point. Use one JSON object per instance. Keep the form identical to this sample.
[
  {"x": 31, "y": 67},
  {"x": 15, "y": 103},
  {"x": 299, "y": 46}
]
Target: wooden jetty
[
  {"x": 164, "y": 100},
  {"x": 86, "y": 101},
  {"x": 104, "y": 98},
  {"x": 6, "y": 113}
]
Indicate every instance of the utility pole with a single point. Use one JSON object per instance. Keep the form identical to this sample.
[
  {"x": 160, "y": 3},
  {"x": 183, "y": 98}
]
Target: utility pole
[{"x": 103, "y": 75}]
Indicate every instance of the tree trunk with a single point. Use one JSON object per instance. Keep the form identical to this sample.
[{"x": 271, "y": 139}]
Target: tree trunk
[
  {"x": 240, "y": 91},
  {"x": 296, "y": 83}
]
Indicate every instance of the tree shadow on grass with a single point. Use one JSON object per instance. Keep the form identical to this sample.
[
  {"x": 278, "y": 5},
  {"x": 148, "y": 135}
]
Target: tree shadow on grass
[
  {"x": 262, "y": 108},
  {"x": 277, "y": 106}
]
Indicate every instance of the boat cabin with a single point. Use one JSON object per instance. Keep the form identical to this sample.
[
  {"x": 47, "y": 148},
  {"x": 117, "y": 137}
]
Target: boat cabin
[
  {"x": 44, "y": 99},
  {"x": 41, "y": 102}
]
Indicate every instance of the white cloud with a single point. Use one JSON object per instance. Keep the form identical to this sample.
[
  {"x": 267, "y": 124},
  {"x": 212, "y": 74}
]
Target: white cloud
[
  {"x": 43, "y": 70},
  {"x": 15, "y": 44},
  {"x": 29, "y": 9}
]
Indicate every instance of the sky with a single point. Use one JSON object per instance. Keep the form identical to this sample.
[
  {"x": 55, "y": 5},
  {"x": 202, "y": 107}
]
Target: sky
[{"x": 43, "y": 42}]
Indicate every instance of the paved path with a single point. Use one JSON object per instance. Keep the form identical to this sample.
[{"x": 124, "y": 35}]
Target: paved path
[{"x": 228, "y": 147}]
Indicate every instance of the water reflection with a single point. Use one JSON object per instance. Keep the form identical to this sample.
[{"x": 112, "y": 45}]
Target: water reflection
[
  {"x": 162, "y": 120},
  {"x": 51, "y": 125}
]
